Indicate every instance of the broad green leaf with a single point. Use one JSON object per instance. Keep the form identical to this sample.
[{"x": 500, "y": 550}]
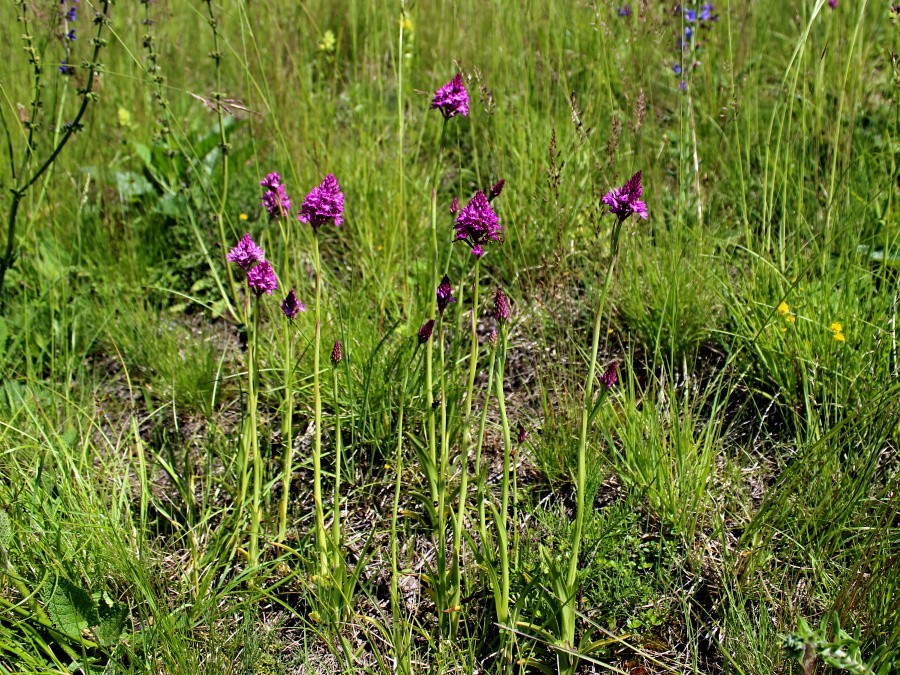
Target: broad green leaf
[
  {"x": 70, "y": 607},
  {"x": 113, "y": 616}
]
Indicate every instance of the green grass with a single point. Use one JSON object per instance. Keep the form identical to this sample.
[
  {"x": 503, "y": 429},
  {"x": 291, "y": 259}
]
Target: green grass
[{"x": 741, "y": 477}]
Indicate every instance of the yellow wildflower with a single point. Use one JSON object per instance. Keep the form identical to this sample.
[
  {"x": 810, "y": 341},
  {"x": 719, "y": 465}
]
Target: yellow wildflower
[
  {"x": 783, "y": 308},
  {"x": 790, "y": 318},
  {"x": 836, "y": 327},
  {"x": 123, "y": 117},
  {"x": 243, "y": 216},
  {"x": 406, "y": 24},
  {"x": 839, "y": 337},
  {"x": 328, "y": 42}
]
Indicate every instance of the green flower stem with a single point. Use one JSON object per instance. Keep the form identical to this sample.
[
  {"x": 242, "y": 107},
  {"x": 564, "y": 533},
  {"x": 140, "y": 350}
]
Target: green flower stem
[
  {"x": 402, "y": 659},
  {"x": 466, "y": 440},
  {"x": 479, "y": 473},
  {"x": 568, "y": 609},
  {"x": 503, "y": 525},
  {"x": 338, "y": 452},
  {"x": 254, "y": 439},
  {"x": 321, "y": 537},
  {"x": 287, "y": 459},
  {"x": 249, "y": 432}
]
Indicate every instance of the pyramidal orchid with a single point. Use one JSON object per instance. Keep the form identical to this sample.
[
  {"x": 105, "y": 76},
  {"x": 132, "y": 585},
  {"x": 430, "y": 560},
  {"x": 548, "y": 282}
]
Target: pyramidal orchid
[
  {"x": 477, "y": 224},
  {"x": 324, "y": 204},
  {"x": 425, "y": 331},
  {"x": 452, "y": 99},
  {"x": 496, "y": 189},
  {"x": 262, "y": 279},
  {"x": 275, "y": 199},
  {"x": 246, "y": 253},
  {"x": 337, "y": 353},
  {"x": 444, "y": 294},
  {"x": 626, "y": 200},
  {"x": 291, "y": 305},
  {"x": 610, "y": 377},
  {"x": 501, "y": 306}
]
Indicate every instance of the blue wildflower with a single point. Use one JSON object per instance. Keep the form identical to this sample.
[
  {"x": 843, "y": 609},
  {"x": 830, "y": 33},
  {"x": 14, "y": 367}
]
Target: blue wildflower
[
  {"x": 71, "y": 15},
  {"x": 690, "y": 15},
  {"x": 676, "y": 69},
  {"x": 625, "y": 10}
]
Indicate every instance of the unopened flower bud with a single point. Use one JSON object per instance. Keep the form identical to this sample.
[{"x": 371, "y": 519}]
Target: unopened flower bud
[
  {"x": 522, "y": 435},
  {"x": 425, "y": 331},
  {"x": 611, "y": 376},
  {"x": 501, "y": 306}
]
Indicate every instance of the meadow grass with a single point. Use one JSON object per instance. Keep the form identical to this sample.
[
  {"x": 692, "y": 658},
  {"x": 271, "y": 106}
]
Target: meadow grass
[{"x": 737, "y": 486}]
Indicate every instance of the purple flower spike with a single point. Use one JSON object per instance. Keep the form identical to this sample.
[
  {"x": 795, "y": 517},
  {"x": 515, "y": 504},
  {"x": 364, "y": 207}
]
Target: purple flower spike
[
  {"x": 245, "y": 254},
  {"x": 337, "y": 353},
  {"x": 625, "y": 10},
  {"x": 324, "y": 203},
  {"x": 496, "y": 189},
  {"x": 262, "y": 279},
  {"x": 477, "y": 224},
  {"x": 425, "y": 331},
  {"x": 626, "y": 200},
  {"x": 611, "y": 376},
  {"x": 501, "y": 306},
  {"x": 275, "y": 199},
  {"x": 492, "y": 337},
  {"x": 291, "y": 306},
  {"x": 454, "y": 206},
  {"x": 833, "y": 4},
  {"x": 444, "y": 294},
  {"x": 452, "y": 99}
]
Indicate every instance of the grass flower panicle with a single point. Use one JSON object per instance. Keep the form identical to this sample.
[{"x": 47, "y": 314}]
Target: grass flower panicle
[
  {"x": 246, "y": 253},
  {"x": 262, "y": 279},
  {"x": 275, "y": 199},
  {"x": 477, "y": 224},
  {"x": 452, "y": 99},
  {"x": 496, "y": 189},
  {"x": 626, "y": 200},
  {"x": 444, "y": 294},
  {"x": 291, "y": 305},
  {"x": 323, "y": 204}
]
